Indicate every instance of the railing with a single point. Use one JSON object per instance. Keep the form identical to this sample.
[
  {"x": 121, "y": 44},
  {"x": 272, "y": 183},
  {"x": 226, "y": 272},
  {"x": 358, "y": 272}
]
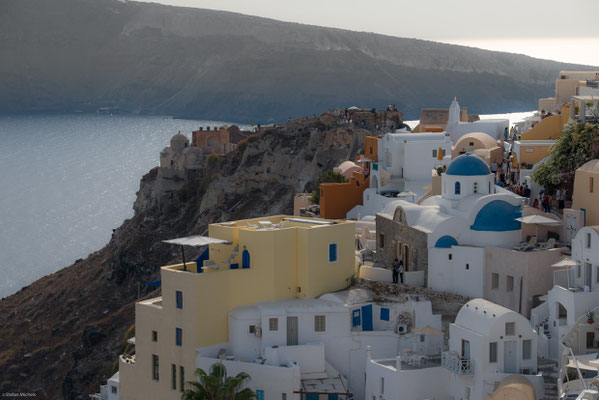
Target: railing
[{"x": 455, "y": 364}]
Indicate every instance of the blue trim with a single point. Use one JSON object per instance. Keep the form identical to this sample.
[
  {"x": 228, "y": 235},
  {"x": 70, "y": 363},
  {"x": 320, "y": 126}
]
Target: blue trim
[
  {"x": 445, "y": 242},
  {"x": 498, "y": 216},
  {"x": 367, "y": 317},
  {"x": 155, "y": 283},
  {"x": 458, "y": 188},
  {"x": 200, "y": 260},
  {"x": 468, "y": 165},
  {"x": 356, "y": 317},
  {"x": 384, "y": 314}
]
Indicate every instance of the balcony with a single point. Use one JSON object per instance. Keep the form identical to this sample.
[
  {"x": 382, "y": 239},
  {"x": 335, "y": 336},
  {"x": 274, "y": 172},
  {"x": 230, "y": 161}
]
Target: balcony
[{"x": 455, "y": 364}]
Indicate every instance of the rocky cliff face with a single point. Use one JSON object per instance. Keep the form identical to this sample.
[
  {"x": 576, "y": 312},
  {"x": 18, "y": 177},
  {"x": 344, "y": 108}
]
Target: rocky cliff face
[{"x": 62, "y": 334}]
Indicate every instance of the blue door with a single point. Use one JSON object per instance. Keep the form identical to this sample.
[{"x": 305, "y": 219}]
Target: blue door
[
  {"x": 367, "y": 317},
  {"x": 312, "y": 396},
  {"x": 245, "y": 259},
  {"x": 356, "y": 317}
]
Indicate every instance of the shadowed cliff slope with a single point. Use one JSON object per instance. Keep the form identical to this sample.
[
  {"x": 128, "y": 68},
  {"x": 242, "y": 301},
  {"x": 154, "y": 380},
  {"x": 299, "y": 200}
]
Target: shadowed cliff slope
[{"x": 81, "y": 55}]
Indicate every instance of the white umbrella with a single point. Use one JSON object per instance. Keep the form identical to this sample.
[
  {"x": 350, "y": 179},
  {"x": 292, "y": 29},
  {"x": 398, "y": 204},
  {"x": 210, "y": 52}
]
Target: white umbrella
[
  {"x": 566, "y": 262},
  {"x": 538, "y": 220},
  {"x": 353, "y": 108},
  {"x": 194, "y": 241}
]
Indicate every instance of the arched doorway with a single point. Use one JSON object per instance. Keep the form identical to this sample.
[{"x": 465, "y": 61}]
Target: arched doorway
[{"x": 245, "y": 259}]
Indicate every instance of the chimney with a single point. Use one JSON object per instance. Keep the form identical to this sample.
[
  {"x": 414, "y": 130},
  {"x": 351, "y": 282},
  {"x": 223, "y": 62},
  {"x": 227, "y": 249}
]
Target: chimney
[{"x": 398, "y": 363}]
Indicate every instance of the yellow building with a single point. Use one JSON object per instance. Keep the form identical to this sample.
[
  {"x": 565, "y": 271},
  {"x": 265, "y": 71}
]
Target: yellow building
[
  {"x": 269, "y": 258},
  {"x": 586, "y": 192}
]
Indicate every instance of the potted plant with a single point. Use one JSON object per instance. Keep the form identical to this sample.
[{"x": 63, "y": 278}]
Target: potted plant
[{"x": 590, "y": 316}]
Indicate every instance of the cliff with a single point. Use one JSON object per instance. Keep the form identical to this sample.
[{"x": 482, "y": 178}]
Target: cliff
[
  {"x": 84, "y": 55},
  {"x": 63, "y": 333}
]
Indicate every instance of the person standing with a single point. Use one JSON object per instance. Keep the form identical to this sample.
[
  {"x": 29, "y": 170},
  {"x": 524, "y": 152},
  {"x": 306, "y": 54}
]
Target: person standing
[
  {"x": 401, "y": 271},
  {"x": 395, "y": 269}
]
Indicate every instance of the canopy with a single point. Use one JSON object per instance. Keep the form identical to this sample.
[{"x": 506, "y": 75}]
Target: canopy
[
  {"x": 196, "y": 241},
  {"x": 566, "y": 262},
  {"x": 427, "y": 330},
  {"x": 586, "y": 361},
  {"x": 353, "y": 108},
  {"x": 538, "y": 220}
]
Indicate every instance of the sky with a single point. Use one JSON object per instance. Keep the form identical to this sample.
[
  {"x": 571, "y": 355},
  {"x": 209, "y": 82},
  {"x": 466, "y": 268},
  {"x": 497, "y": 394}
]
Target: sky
[{"x": 550, "y": 29}]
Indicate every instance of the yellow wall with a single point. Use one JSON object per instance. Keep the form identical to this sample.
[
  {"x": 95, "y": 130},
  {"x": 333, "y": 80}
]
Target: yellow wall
[
  {"x": 550, "y": 128},
  {"x": 584, "y": 198},
  {"x": 281, "y": 262},
  {"x": 537, "y": 154}
]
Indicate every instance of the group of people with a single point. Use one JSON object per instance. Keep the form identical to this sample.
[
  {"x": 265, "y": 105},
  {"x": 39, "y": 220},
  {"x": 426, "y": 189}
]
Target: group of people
[{"x": 397, "y": 269}]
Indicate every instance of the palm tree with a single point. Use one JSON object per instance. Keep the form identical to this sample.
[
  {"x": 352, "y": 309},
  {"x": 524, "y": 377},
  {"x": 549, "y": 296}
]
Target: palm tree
[{"x": 216, "y": 385}]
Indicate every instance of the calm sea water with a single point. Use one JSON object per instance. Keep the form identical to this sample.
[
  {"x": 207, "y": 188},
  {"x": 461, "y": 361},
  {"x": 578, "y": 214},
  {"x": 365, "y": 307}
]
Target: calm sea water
[{"x": 67, "y": 181}]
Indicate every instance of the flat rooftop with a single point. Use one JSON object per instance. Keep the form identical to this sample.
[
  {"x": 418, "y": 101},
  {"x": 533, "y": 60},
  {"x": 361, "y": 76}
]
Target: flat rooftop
[{"x": 280, "y": 222}]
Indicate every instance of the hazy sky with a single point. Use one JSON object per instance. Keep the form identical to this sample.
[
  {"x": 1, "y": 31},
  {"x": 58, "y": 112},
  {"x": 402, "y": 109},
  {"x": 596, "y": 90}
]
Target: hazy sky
[{"x": 479, "y": 23}]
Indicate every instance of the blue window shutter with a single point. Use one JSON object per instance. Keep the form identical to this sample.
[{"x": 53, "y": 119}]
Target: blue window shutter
[
  {"x": 332, "y": 252},
  {"x": 384, "y": 314},
  {"x": 179, "y": 299},
  {"x": 179, "y": 336}
]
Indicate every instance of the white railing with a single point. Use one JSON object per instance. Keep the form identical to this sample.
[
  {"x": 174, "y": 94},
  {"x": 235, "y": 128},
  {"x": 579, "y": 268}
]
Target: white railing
[{"x": 455, "y": 364}]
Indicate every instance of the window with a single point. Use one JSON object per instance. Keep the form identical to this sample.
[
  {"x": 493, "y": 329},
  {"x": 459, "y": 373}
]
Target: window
[
  {"x": 578, "y": 271},
  {"x": 172, "y": 162},
  {"x": 421, "y": 338},
  {"x": 443, "y": 152},
  {"x": 382, "y": 385},
  {"x": 493, "y": 352},
  {"x": 384, "y": 314},
  {"x": 591, "y": 181},
  {"x": 179, "y": 336},
  {"x": 588, "y": 240},
  {"x": 435, "y": 153},
  {"x": 252, "y": 329},
  {"x": 467, "y": 266},
  {"x": 475, "y": 187},
  {"x": 333, "y": 397},
  {"x": 494, "y": 281},
  {"x": 332, "y": 252},
  {"x": 597, "y": 274},
  {"x": 526, "y": 349},
  {"x": 113, "y": 389},
  {"x": 319, "y": 323},
  {"x": 173, "y": 377},
  {"x": 450, "y": 256},
  {"x": 181, "y": 379},
  {"x": 489, "y": 187},
  {"x": 273, "y": 324},
  {"x": 471, "y": 143},
  {"x": 179, "y": 299},
  {"x": 510, "y": 328},
  {"x": 154, "y": 336},
  {"x": 509, "y": 283},
  {"x": 458, "y": 188},
  {"x": 155, "y": 375},
  {"x": 381, "y": 240}
]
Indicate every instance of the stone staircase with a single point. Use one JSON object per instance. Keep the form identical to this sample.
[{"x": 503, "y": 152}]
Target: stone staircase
[{"x": 550, "y": 373}]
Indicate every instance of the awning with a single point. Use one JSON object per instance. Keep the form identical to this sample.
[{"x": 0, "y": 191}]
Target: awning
[
  {"x": 566, "y": 262},
  {"x": 196, "y": 241},
  {"x": 586, "y": 361}
]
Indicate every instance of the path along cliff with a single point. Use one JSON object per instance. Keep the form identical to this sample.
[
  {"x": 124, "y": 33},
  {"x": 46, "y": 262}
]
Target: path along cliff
[{"x": 62, "y": 334}]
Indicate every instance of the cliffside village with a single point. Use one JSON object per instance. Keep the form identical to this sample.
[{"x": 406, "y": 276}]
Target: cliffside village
[{"x": 439, "y": 270}]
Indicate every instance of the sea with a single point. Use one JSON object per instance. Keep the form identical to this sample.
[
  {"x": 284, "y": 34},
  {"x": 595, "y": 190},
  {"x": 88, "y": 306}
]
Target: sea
[{"x": 67, "y": 181}]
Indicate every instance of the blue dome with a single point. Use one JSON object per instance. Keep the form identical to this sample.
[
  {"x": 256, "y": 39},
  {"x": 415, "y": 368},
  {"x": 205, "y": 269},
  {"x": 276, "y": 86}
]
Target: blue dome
[
  {"x": 498, "y": 216},
  {"x": 445, "y": 242},
  {"x": 468, "y": 165}
]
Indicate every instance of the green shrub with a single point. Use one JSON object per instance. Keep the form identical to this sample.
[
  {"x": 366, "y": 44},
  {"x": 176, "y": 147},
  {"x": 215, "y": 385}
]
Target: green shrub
[
  {"x": 242, "y": 145},
  {"x": 325, "y": 177}
]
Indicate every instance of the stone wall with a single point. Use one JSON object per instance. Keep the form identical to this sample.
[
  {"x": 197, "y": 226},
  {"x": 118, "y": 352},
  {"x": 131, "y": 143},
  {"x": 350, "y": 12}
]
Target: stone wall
[{"x": 400, "y": 232}]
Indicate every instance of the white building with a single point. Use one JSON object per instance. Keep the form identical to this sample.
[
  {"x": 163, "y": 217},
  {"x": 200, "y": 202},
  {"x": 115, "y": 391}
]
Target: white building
[
  {"x": 471, "y": 231},
  {"x": 406, "y": 162},
  {"x": 487, "y": 343},
  {"x": 110, "y": 391},
  {"x": 456, "y": 129},
  {"x": 575, "y": 291},
  {"x": 287, "y": 345}
]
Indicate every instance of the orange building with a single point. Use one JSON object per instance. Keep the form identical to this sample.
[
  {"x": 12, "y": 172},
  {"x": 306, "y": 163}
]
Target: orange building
[{"x": 336, "y": 199}]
